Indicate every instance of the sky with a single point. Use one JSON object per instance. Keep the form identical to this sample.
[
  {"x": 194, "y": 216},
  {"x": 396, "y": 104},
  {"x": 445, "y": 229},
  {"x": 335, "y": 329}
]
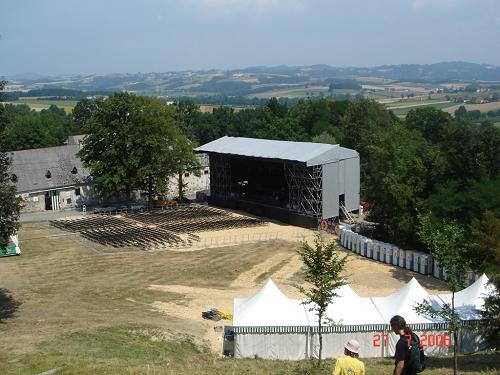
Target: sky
[{"x": 61, "y": 37}]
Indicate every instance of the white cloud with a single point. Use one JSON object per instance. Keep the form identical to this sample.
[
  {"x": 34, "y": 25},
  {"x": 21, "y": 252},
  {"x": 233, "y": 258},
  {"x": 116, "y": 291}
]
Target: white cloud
[{"x": 245, "y": 5}]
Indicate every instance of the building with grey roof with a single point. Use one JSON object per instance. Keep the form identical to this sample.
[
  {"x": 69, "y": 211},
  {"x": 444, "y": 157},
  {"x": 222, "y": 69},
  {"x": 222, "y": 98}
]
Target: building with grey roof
[
  {"x": 54, "y": 178},
  {"x": 297, "y": 182},
  {"x": 51, "y": 178}
]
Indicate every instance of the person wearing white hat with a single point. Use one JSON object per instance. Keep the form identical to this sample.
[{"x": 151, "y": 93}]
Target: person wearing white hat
[{"x": 349, "y": 364}]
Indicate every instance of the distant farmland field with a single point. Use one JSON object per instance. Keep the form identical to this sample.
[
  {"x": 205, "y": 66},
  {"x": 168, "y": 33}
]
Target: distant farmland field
[
  {"x": 402, "y": 110},
  {"x": 39, "y": 104},
  {"x": 472, "y": 107},
  {"x": 292, "y": 92}
]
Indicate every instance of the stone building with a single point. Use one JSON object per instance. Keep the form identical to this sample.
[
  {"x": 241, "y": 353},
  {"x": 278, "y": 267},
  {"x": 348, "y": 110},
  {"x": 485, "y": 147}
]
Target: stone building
[{"x": 54, "y": 178}]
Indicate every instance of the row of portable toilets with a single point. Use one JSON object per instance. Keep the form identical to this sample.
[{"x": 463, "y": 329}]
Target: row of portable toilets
[{"x": 383, "y": 252}]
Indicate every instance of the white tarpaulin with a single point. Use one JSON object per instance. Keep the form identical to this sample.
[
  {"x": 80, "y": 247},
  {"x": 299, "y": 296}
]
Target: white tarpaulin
[
  {"x": 348, "y": 309},
  {"x": 403, "y": 302},
  {"x": 469, "y": 301},
  {"x": 271, "y": 325},
  {"x": 269, "y": 307}
]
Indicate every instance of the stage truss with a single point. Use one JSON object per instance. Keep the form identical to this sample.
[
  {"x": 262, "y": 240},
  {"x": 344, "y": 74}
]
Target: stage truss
[
  {"x": 305, "y": 188},
  {"x": 304, "y": 184},
  {"x": 220, "y": 176}
]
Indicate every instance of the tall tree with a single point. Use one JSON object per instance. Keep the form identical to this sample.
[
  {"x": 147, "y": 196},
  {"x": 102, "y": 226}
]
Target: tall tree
[
  {"x": 485, "y": 255},
  {"x": 131, "y": 143},
  {"x": 10, "y": 204},
  {"x": 322, "y": 274},
  {"x": 447, "y": 244}
]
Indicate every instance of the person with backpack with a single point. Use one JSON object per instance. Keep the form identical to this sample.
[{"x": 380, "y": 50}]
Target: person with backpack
[
  {"x": 409, "y": 358},
  {"x": 349, "y": 364}
]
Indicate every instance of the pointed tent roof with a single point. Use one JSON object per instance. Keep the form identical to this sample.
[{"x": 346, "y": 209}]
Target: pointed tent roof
[
  {"x": 470, "y": 300},
  {"x": 402, "y": 303},
  {"x": 349, "y": 309},
  {"x": 269, "y": 307}
]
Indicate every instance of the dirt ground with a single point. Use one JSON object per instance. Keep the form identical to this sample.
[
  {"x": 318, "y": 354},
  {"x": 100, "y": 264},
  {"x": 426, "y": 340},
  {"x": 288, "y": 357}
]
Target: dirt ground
[{"x": 64, "y": 285}]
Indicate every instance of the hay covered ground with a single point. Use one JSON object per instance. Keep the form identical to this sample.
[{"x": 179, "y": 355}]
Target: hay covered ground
[{"x": 83, "y": 311}]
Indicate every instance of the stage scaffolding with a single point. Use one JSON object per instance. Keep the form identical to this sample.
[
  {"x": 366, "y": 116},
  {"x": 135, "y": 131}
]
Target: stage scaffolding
[
  {"x": 220, "y": 176},
  {"x": 304, "y": 184},
  {"x": 305, "y": 188}
]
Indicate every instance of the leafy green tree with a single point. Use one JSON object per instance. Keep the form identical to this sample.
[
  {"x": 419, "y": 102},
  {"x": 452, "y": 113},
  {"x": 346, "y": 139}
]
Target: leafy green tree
[
  {"x": 402, "y": 168},
  {"x": 491, "y": 319},
  {"x": 83, "y": 111},
  {"x": 447, "y": 244},
  {"x": 324, "y": 266},
  {"x": 30, "y": 129},
  {"x": 324, "y": 138},
  {"x": 485, "y": 255},
  {"x": 429, "y": 122},
  {"x": 489, "y": 150},
  {"x": 131, "y": 144},
  {"x": 461, "y": 113},
  {"x": 485, "y": 249},
  {"x": 10, "y": 204}
]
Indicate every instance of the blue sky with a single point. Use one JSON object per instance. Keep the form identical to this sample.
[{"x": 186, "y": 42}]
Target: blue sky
[{"x": 89, "y": 36}]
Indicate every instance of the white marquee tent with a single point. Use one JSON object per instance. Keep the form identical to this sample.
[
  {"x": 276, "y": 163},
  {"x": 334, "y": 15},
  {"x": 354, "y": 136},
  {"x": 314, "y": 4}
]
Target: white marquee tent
[
  {"x": 469, "y": 301},
  {"x": 269, "y": 307},
  {"x": 271, "y": 325},
  {"x": 403, "y": 301}
]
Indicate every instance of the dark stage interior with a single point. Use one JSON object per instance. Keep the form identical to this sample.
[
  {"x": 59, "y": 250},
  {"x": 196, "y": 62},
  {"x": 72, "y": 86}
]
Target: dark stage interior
[
  {"x": 259, "y": 186},
  {"x": 259, "y": 181}
]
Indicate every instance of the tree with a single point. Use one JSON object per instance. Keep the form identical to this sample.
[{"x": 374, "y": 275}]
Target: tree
[
  {"x": 461, "y": 113},
  {"x": 323, "y": 268},
  {"x": 485, "y": 255},
  {"x": 10, "y": 204},
  {"x": 447, "y": 244},
  {"x": 187, "y": 114},
  {"x": 83, "y": 111},
  {"x": 324, "y": 137},
  {"x": 131, "y": 144}
]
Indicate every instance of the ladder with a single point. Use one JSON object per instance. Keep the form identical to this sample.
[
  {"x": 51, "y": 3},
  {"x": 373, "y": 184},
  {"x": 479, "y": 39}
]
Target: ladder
[{"x": 348, "y": 216}]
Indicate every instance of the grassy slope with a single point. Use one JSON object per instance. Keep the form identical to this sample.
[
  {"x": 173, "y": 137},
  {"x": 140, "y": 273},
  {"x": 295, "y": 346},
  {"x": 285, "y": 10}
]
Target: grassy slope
[
  {"x": 89, "y": 313},
  {"x": 149, "y": 350}
]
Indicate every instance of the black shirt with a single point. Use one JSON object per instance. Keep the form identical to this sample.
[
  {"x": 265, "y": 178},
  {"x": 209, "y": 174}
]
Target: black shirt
[{"x": 403, "y": 354}]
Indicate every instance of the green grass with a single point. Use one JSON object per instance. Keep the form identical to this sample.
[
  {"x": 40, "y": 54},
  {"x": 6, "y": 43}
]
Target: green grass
[
  {"x": 402, "y": 112},
  {"x": 149, "y": 350},
  {"x": 33, "y": 103}
]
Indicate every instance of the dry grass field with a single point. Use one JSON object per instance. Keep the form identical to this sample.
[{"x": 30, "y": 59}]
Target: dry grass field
[
  {"x": 485, "y": 107},
  {"x": 83, "y": 311}
]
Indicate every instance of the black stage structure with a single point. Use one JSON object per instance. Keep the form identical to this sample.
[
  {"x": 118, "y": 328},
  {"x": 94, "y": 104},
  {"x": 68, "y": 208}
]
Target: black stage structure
[{"x": 299, "y": 183}]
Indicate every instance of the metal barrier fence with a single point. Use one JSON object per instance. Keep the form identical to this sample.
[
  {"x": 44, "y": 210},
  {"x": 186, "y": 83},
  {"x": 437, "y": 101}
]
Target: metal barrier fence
[{"x": 236, "y": 239}]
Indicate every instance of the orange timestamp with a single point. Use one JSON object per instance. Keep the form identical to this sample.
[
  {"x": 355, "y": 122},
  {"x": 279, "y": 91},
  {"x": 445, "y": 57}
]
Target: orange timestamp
[{"x": 426, "y": 340}]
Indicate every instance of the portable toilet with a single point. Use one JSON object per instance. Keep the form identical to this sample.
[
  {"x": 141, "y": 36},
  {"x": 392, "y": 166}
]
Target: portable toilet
[
  {"x": 369, "y": 248},
  {"x": 438, "y": 271},
  {"x": 376, "y": 250},
  {"x": 350, "y": 239},
  {"x": 470, "y": 278},
  {"x": 342, "y": 236},
  {"x": 409, "y": 259},
  {"x": 425, "y": 264},
  {"x": 402, "y": 258},
  {"x": 388, "y": 253},
  {"x": 354, "y": 238},
  {"x": 381, "y": 254},
  {"x": 364, "y": 246},
  {"x": 359, "y": 243},
  {"x": 416, "y": 261},
  {"x": 395, "y": 255},
  {"x": 347, "y": 240}
]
